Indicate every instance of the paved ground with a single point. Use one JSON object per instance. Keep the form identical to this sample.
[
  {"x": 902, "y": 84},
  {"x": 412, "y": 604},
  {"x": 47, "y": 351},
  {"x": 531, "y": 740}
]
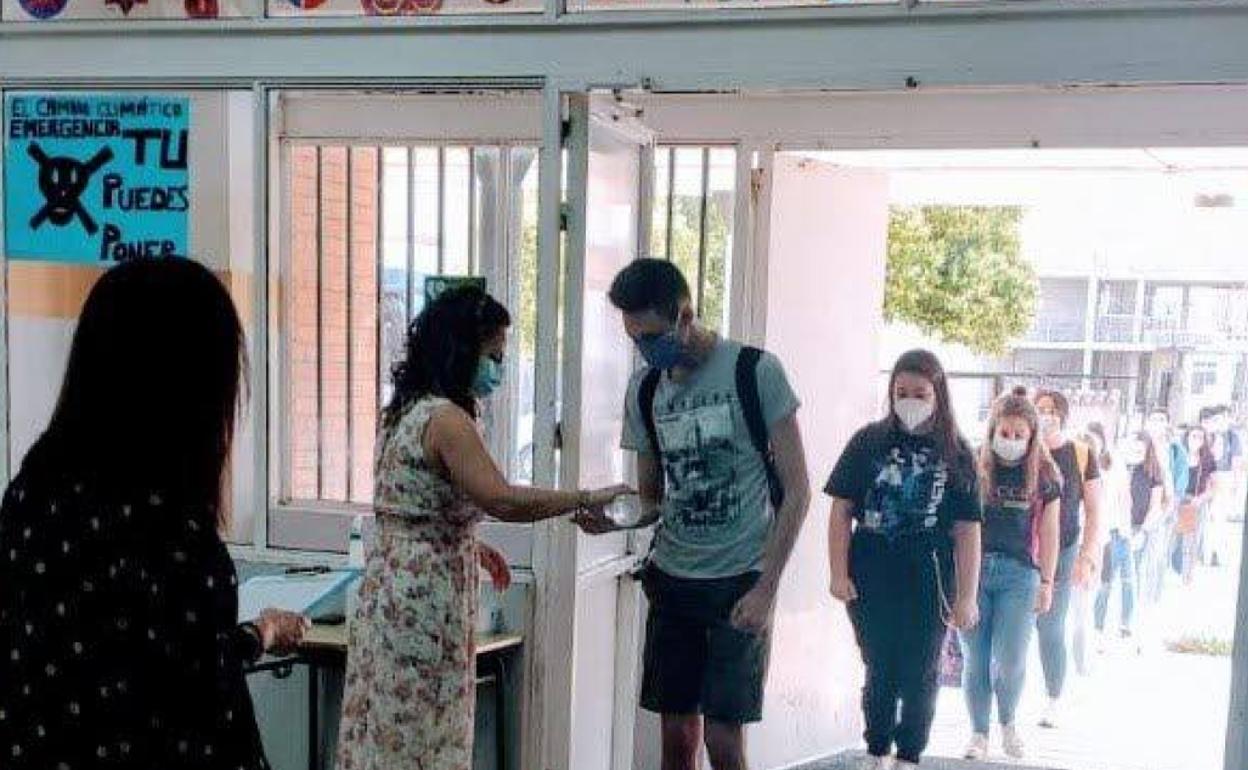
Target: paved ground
[
  {"x": 1140, "y": 709},
  {"x": 847, "y": 762}
]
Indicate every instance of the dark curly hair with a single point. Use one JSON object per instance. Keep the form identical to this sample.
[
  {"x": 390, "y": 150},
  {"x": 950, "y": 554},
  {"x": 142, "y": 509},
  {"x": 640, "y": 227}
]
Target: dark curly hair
[{"x": 443, "y": 350}]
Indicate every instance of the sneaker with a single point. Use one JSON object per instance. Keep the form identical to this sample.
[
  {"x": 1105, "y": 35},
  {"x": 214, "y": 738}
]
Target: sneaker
[
  {"x": 872, "y": 762},
  {"x": 1012, "y": 742},
  {"x": 1050, "y": 717},
  {"x": 977, "y": 749}
]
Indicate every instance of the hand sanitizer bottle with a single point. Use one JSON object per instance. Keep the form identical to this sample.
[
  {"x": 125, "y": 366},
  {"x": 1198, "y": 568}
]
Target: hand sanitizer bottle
[
  {"x": 355, "y": 544},
  {"x": 355, "y": 562}
]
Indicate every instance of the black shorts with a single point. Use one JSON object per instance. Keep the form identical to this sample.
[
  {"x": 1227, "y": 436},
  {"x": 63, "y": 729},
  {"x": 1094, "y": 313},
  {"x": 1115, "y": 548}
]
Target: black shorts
[{"x": 696, "y": 662}]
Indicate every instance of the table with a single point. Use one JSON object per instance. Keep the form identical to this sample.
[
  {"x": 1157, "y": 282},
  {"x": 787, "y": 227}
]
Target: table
[{"x": 325, "y": 647}]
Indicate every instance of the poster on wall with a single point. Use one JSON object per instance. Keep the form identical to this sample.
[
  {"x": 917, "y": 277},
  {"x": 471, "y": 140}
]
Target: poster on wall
[
  {"x": 312, "y": 8},
  {"x": 128, "y": 10},
  {"x": 437, "y": 285},
  {"x": 96, "y": 178}
]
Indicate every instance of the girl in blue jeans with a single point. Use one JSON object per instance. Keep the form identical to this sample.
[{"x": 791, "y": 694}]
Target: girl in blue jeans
[{"x": 1021, "y": 488}]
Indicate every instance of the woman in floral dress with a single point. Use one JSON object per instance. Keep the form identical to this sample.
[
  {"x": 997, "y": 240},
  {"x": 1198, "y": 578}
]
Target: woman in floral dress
[{"x": 410, "y": 688}]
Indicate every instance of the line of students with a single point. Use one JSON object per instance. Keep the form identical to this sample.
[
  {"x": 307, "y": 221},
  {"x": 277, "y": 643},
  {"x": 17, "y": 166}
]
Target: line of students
[
  {"x": 1016, "y": 523},
  {"x": 118, "y": 635}
]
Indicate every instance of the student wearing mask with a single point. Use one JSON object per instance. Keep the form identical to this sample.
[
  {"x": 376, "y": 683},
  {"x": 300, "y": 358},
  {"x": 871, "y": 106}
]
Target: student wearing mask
[
  {"x": 1078, "y": 561},
  {"x": 118, "y": 599},
  {"x": 722, "y": 472},
  {"x": 904, "y": 549},
  {"x": 1146, "y": 483},
  {"x": 1021, "y": 490},
  {"x": 410, "y": 686},
  {"x": 1194, "y": 501},
  {"x": 1228, "y": 451},
  {"x": 1174, "y": 462},
  {"x": 1118, "y": 560},
  {"x": 1083, "y": 602}
]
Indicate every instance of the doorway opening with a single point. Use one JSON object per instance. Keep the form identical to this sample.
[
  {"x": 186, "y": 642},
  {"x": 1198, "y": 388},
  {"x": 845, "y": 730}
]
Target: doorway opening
[{"x": 1116, "y": 277}]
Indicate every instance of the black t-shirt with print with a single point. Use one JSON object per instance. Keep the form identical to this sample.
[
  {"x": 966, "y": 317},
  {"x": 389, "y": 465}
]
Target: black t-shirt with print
[
  {"x": 1009, "y": 512},
  {"x": 1073, "y": 479},
  {"x": 1142, "y": 486},
  {"x": 901, "y": 485}
]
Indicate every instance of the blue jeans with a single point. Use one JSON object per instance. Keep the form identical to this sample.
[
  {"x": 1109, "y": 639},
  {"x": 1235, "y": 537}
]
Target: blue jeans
[
  {"x": 1051, "y": 626},
  {"x": 996, "y": 649},
  {"x": 1120, "y": 565}
]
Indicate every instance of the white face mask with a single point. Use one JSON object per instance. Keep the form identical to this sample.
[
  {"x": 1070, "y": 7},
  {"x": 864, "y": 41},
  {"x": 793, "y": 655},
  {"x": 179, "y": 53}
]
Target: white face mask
[
  {"x": 1050, "y": 424},
  {"x": 913, "y": 412},
  {"x": 1009, "y": 450}
]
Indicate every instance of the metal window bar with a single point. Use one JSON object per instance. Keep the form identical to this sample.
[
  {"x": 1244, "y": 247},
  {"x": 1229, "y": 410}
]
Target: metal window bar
[
  {"x": 472, "y": 210},
  {"x": 411, "y": 237},
  {"x": 703, "y": 214},
  {"x": 671, "y": 201},
  {"x": 320, "y": 358},
  {"x": 348, "y": 264},
  {"x": 380, "y": 241},
  {"x": 441, "y": 209}
]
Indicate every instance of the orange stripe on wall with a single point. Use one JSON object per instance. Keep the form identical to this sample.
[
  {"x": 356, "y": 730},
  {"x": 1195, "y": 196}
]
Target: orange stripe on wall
[{"x": 56, "y": 291}]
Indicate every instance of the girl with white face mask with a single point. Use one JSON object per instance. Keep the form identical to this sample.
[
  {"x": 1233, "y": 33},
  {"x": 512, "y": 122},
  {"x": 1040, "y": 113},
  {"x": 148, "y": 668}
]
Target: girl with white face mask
[
  {"x": 1021, "y": 490},
  {"x": 905, "y": 512}
]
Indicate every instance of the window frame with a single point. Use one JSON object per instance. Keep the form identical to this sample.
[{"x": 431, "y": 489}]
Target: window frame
[{"x": 279, "y": 503}]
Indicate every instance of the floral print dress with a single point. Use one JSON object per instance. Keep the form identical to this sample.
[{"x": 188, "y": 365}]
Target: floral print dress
[{"x": 410, "y": 688}]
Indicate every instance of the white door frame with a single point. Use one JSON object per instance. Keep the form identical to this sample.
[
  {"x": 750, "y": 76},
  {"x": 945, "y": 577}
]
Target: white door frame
[{"x": 1023, "y": 118}]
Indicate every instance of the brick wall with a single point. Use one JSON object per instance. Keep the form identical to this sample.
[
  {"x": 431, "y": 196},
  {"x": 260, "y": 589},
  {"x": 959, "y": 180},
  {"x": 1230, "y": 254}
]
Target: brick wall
[{"x": 332, "y": 351}]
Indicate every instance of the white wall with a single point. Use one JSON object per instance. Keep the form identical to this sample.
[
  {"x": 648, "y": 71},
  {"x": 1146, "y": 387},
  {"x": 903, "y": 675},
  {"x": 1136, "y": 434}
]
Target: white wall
[
  {"x": 46, "y": 298},
  {"x": 825, "y": 305}
]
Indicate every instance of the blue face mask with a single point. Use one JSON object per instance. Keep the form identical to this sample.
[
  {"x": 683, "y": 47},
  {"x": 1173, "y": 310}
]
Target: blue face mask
[
  {"x": 662, "y": 351},
  {"x": 489, "y": 376}
]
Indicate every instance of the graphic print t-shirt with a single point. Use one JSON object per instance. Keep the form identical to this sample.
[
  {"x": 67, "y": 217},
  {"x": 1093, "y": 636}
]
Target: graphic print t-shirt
[
  {"x": 1008, "y": 525},
  {"x": 716, "y": 508},
  {"x": 901, "y": 486},
  {"x": 1067, "y": 459},
  {"x": 1142, "y": 486}
]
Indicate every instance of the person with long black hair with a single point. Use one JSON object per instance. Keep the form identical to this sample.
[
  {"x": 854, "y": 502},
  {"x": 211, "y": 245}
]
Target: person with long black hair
[
  {"x": 119, "y": 641},
  {"x": 905, "y": 517},
  {"x": 410, "y": 689}
]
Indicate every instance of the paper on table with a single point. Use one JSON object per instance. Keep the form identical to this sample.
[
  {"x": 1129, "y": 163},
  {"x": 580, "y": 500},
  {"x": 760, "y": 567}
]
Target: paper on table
[{"x": 309, "y": 594}]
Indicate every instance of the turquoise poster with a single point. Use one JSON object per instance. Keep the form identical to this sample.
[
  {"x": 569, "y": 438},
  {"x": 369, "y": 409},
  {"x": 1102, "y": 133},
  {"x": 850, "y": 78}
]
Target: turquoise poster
[{"x": 96, "y": 178}]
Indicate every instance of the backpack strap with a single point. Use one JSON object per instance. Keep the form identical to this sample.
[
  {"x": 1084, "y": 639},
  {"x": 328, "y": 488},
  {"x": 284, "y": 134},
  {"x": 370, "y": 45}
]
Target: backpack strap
[
  {"x": 645, "y": 402},
  {"x": 752, "y": 406}
]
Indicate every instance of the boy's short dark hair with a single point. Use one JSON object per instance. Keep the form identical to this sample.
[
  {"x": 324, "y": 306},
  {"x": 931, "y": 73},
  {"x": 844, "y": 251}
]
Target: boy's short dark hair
[{"x": 650, "y": 284}]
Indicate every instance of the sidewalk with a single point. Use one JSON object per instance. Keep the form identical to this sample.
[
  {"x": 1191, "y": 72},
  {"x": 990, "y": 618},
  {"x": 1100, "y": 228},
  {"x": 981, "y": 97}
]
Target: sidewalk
[{"x": 1146, "y": 710}]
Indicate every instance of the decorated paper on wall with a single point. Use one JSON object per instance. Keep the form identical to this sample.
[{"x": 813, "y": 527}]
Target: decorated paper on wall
[
  {"x": 96, "y": 178},
  {"x": 128, "y": 10},
  {"x": 400, "y": 7}
]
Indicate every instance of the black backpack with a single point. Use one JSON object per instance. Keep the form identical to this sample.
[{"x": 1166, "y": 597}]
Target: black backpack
[{"x": 751, "y": 405}]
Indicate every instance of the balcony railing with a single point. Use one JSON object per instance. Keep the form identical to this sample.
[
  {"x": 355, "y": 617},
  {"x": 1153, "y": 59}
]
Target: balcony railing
[
  {"x": 1054, "y": 329},
  {"x": 1116, "y": 329},
  {"x": 1170, "y": 332}
]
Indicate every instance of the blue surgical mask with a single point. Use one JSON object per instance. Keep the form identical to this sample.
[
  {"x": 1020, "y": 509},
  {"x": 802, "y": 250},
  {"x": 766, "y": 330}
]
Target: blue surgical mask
[
  {"x": 489, "y": 376},
  {"x": 662, "y": 351}
]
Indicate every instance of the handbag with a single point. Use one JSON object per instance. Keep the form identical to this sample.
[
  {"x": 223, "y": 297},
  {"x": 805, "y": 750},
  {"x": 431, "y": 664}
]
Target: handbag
[
  {"x": 951, "y": 662},
  {"x": 1189, "y": 519}
]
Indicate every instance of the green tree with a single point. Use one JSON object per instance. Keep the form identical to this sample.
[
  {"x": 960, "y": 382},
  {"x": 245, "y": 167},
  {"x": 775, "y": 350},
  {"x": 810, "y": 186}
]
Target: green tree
[
  {"x": 956, "y": 273},
  {"x": 686, "y": 225}
]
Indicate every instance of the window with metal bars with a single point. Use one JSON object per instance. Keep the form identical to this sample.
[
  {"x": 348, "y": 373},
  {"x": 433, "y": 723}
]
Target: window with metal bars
[
  {"x": 366, "y": 225},
  {"x": 692, "y": 221}
]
